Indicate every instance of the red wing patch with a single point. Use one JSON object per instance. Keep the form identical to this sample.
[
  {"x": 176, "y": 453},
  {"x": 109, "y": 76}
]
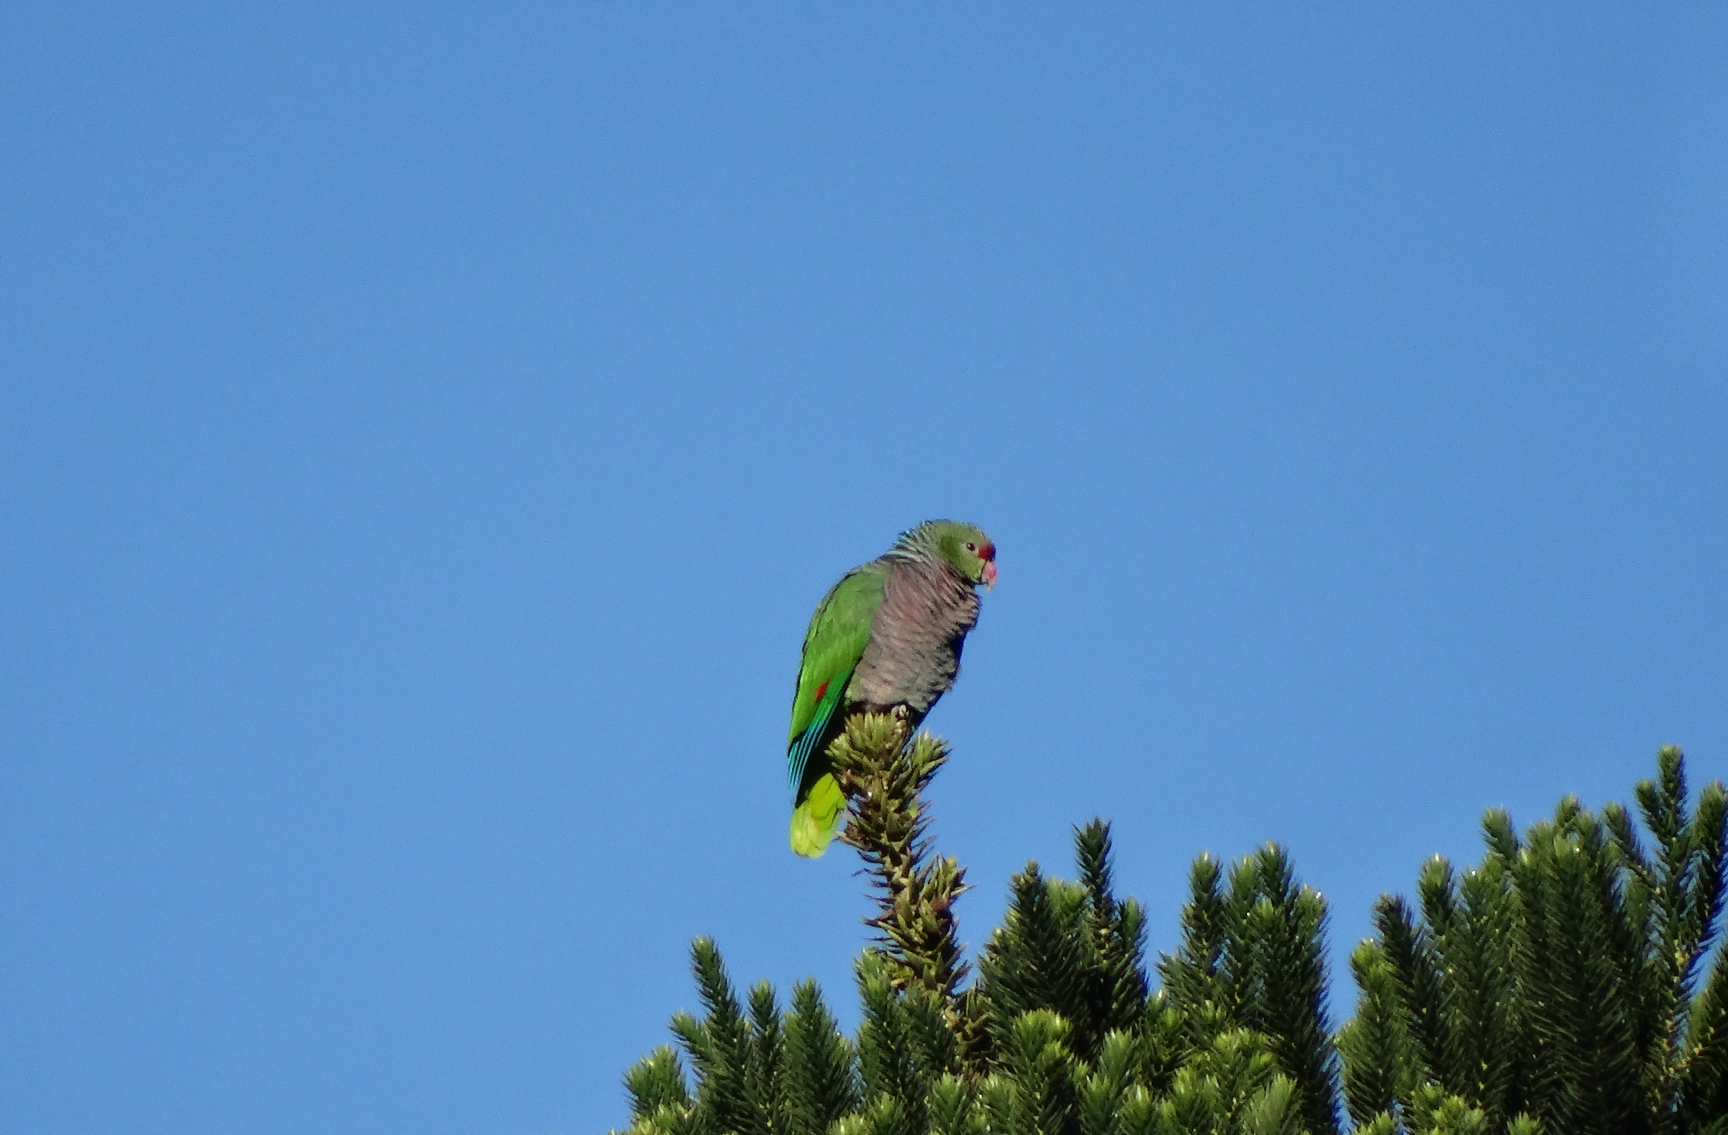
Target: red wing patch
[{"x": 820, "y": 690}]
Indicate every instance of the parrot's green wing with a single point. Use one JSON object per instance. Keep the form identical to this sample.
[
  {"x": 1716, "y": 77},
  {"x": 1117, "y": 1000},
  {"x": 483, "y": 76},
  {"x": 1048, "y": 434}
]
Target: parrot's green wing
[
  {"x": 832, "y": 646},
  {"x": 798, "y": 754}
]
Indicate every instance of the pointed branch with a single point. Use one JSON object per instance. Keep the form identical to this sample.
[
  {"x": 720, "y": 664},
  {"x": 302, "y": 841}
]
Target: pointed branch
[{"x": 884, "y": 773}]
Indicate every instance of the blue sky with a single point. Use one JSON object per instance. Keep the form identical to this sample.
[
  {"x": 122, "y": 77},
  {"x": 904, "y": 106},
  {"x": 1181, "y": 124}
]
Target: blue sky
[{"x": 425, "y": 431}]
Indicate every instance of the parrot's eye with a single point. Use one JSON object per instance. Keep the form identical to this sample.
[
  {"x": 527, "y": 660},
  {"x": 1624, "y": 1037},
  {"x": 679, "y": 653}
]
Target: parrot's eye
[{"x": 970, "y": 547}]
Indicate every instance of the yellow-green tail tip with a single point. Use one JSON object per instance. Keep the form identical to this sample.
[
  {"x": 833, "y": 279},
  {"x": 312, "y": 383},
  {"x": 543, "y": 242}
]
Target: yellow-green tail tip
[{"x": 815, "y": 821}]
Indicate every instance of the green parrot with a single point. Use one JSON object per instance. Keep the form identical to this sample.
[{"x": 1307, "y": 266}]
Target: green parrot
[{"x": 887, "y": 635}]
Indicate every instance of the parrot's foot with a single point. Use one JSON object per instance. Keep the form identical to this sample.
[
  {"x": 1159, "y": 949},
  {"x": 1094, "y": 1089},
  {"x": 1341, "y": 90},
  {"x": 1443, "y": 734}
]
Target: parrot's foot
[{"x": 902, "y": 715}]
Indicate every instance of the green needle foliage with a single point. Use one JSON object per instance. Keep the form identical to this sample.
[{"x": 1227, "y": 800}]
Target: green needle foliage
[
  {"x": 1557, "y": 979},
  {"x": 1567, "y": 984},
  {"x": 1253, "y": 958},
  {"x": 884, "y": 777}
]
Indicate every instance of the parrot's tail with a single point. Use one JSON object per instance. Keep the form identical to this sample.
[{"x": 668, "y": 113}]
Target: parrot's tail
[{"x": 817, "y": 817}]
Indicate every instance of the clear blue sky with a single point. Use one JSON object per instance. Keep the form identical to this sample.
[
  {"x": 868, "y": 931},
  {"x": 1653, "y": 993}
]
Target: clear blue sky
[{"x": 426, "y": 429}]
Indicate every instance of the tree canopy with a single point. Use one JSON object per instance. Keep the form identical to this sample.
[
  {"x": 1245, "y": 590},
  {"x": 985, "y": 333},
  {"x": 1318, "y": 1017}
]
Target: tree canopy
[{"x": 1566, "y": 984}]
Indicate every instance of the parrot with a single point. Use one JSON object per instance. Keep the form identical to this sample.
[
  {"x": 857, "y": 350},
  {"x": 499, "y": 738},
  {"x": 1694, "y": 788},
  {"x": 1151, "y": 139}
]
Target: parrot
[{"x": 886, "y": 637}]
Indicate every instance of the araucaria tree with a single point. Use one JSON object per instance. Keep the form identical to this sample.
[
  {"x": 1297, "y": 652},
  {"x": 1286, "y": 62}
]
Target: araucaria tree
[
  {"x": 1558, "y": 978},
  {"x": 1566, "y": 984}
]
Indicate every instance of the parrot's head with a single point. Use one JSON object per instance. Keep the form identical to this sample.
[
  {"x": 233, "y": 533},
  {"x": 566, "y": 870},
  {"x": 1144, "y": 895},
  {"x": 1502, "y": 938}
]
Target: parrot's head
[{"x": 968, "y": 550}]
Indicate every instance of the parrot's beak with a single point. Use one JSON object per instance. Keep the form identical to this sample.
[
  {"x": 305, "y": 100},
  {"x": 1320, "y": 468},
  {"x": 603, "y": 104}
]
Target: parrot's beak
[{"x": 989, "y": 575}]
